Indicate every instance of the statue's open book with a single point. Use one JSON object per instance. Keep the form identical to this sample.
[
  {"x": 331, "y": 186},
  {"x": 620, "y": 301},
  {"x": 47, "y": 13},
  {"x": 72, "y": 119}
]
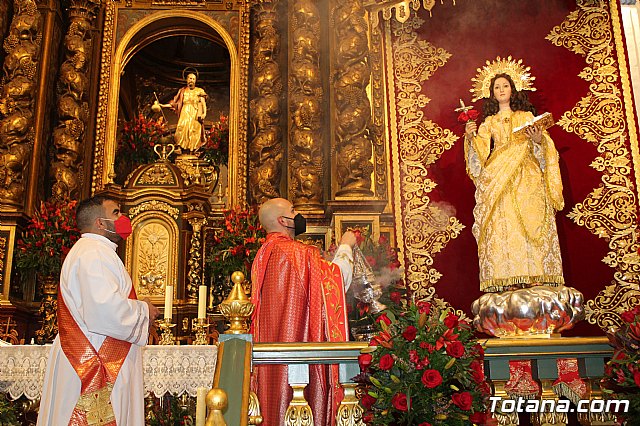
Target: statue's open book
[{"x": 545, "y": 120}]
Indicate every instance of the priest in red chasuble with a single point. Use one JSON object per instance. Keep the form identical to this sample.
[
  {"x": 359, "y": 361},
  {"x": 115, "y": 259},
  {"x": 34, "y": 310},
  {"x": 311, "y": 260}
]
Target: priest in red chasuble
[{"x": 298, "y": 297}]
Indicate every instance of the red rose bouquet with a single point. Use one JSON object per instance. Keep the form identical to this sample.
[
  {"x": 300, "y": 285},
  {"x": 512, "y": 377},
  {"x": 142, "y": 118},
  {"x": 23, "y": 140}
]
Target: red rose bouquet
[
  {"x": 622, "y": 373},
  {"x": 424, "y": 367},
  {"x": 137, "y": 139}
]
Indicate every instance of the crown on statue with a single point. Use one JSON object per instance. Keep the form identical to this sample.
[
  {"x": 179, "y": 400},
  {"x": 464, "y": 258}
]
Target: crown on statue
[{"x": 520, "y": 75}]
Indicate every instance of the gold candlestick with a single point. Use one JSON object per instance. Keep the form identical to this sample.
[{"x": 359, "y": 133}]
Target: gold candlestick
[
  {"x": 201, "y": 325},
  {"x": 167, "y": 335}
]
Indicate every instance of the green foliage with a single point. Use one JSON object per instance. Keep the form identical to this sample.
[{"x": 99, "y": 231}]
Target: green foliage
[
  {"x": 8, "y": 415},
  {"x": 171, "y": 412}
]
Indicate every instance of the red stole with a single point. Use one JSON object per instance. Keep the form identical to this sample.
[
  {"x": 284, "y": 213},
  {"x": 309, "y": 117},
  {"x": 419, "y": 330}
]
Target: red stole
[
  {"x": 97, "y": 370},
  {"x": 298, "y": 297}
]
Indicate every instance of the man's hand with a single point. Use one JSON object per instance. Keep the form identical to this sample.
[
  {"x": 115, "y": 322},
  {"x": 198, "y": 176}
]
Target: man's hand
[
  {"x": 153, "y": 311},
  {"x": 348, "y": 238}
]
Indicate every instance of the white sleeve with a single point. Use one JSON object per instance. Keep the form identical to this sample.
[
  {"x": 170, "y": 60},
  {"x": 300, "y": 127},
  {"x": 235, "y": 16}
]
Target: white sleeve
[
  {"x": 105, "y": 308},
  {"x": 344, "y": 259}
]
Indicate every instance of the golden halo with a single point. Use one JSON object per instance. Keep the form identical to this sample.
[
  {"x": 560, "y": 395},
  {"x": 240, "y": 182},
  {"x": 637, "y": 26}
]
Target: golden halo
[
  {"x": 518, "y": 73},
  {"x": 191, "y": 70}
]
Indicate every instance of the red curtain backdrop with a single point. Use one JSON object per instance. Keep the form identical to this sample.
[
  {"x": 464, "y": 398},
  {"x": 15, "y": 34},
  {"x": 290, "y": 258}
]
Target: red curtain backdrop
[{"x": 474, "y": 31}]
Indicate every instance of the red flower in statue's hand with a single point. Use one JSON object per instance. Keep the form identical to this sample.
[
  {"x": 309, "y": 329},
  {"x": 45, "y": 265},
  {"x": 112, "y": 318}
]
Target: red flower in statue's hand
[{"x": 472, "y": 114}]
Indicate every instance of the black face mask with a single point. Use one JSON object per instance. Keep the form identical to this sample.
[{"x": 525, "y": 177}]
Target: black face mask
[{"x": 299, "y": 224}]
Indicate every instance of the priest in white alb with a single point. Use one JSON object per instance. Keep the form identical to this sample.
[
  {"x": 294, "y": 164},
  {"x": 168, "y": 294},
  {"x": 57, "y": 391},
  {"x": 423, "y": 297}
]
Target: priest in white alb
[{"x": 94, "y": 371}]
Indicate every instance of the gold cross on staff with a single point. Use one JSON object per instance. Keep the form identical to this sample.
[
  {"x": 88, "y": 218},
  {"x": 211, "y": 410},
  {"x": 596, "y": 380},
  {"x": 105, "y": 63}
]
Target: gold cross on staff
[{"x": 463, "y": 107}]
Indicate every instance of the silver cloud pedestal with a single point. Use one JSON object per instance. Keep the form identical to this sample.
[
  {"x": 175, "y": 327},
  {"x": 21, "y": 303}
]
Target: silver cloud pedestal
[{"x": 527, "y": 312}]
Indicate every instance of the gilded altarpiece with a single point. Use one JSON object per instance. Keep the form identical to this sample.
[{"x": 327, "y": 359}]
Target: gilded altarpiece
[
  {"x": 576, "y": 52},
  {"x": 129, "y": 27}
]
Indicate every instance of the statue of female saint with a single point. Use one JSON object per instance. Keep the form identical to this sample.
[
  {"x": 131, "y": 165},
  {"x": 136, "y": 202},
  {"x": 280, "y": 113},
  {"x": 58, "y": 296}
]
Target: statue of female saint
[
  {"x": 191, "y": 108},
  {"x": 518, "y": 184}
]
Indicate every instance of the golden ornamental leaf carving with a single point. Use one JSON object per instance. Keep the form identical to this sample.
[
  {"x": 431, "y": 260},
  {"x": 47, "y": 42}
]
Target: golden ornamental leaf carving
[
  {"x": 600, "y": 118},
  {"x": 427, "y": 227}
]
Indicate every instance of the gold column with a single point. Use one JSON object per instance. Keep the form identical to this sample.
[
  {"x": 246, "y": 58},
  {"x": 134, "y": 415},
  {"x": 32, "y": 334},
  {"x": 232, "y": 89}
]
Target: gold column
[
  {"x": 4, "y": 17},
  {"x": 72, "y": 103},
  {"x": 194, "y": 276},
  {"x": 265, "y": 147},
  {"x": 353, "y": 148},
  {"x": 17, "y": 105},
  {"x": 379, "y": 101},
  {"x": 306, "y": 104}
]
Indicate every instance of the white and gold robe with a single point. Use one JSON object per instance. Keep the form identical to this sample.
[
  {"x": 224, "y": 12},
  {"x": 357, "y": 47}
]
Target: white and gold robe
[
  {"x": 95, "y": 286},
  {"x": 518, "y": 192}
]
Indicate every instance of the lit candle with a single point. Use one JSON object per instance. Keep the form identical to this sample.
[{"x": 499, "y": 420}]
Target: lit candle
[
  {"x": 202, "y": 301},
  {"x": 201, "y": 407},
  {"x": 168, "y": 301}
]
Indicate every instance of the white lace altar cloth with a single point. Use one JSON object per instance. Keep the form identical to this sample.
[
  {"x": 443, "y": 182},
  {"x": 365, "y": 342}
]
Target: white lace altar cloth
[{"x": 174, "y": 369}]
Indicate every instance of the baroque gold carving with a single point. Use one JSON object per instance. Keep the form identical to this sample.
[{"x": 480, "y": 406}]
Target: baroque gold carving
[
  {"x": 265, "y": 148},
  {"x": 4, "y": 18},
  {"x": 152, "y": 254},
  {"x": 425, "y": 227},
  {"x": 154, "y": 205},
  {"x": 352, "y": 108},
  {"x": 73, "y": 107},
  {"x": 17, "y": 100},
  {"x": 379, "y": 113},
  {"x": 152, "y": 259},
  {"x": 601, "y": 118},
  {"x": 350, "y": 412},
  {"x": 194, "y": 276},
  {"x": 157, "y": 174},
  {"x": 198, "y": 172},
  {"x": 3, "y": 256},
  {"x": 106, "y": 57},
  {"x": 298, "y": 413},
  {"x": 306, "y": 98},
  {"x": 120, "y": 41}
]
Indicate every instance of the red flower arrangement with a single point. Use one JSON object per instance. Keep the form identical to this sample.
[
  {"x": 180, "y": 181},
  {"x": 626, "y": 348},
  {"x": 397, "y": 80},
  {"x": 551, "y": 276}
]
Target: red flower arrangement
[
  {"x": 622, "y": 373},
  {"x": 48, "y": 238},
  {"x": 424, "y": 367},
  {"x": 237, "y": 238},
  {"x": 216, "y": 147},
  {"x": 138, "y": 138}
]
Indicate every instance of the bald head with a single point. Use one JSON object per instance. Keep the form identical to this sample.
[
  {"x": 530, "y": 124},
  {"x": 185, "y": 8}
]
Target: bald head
[{"x": 270, "y": 213}]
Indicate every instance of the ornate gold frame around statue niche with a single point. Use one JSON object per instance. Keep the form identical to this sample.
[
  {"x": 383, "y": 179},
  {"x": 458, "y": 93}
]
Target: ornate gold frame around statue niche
[{"x": 117, "y": 50}]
